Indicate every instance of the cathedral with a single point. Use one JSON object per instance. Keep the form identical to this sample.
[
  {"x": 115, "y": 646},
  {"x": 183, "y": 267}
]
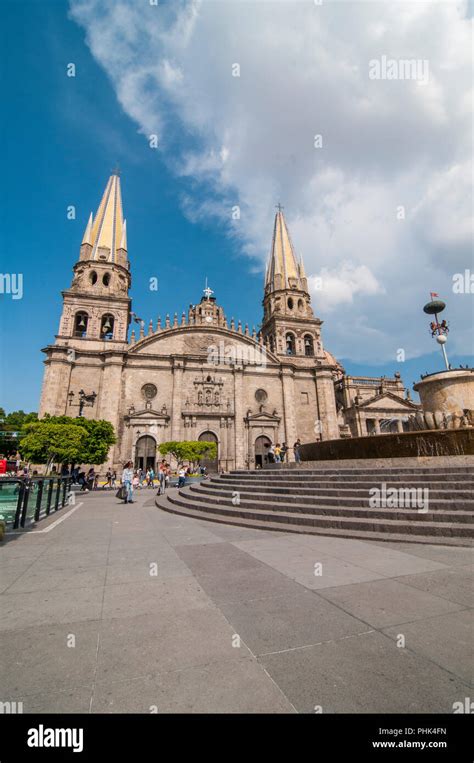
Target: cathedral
[{"x": 199, "y": 376}]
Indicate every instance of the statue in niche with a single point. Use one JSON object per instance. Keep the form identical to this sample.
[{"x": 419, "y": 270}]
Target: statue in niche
[
  {"x": 208, "y": 396},
  {"x": 199, "y": 397},
  {"x": 216, "y": 398}
]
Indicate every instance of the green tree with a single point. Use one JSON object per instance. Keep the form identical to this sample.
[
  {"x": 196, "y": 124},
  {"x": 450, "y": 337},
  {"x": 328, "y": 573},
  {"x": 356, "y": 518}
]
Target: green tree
[
  {"x": 93, "y": 448},
  {"x": 101, "y": 436},
  {"x": 188, "y": 450},
  {"x": 48, "y": 443},
  {"x": 16, "y": 420}
]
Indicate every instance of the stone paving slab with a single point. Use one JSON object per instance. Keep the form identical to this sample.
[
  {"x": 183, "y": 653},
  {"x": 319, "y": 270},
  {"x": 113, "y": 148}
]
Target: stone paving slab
[
  {"x": 364, "y": 674},
  {"x": 227, "y": 686},
  {"x": 381, "y": 603},
  {"x": 455, "y": 584},
  {"x": 139, "y": 646},
  {"x": 447, "y": 640},
  {"x": 289, "y": 621},
  {"x": 74, "y": 700},
  {"x": 45, "y": 658},
  {"x": 234, "y": 620},
  {"x": 451, "y": 555},
  {"x": 22, "y": 610}
]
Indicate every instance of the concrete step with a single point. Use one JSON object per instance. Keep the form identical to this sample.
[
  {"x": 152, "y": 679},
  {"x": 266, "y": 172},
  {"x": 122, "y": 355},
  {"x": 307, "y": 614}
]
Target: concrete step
[
  {"x": 260, "y": 501},
  {"x": 438, "y": 469},
  {"x": 349, "y": 498},
  {"x": 264, "y": 521},
  {"x": 357, "y": 490},
  {"x": 451, "y": 529},
  {"x": 379, "y": 476}
]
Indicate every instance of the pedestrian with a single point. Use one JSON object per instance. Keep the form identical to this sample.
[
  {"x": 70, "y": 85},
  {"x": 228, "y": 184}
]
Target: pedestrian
[
  {"x": 271, "y": 454},
  {"x": 113, "y": 479},
  {"x": 136, "y": 481},
  {"x": 81, "y": 478},
  {"x": 284, "y": 452},
  {"x": 108, "y": 479},
  {"x": 127, "y": 478},
  {"x": 90, "y": 479},
  {"x": 277, "y": 453},
  {"x": 296, "y": 450},
  {"x": 182, "y": 477}
]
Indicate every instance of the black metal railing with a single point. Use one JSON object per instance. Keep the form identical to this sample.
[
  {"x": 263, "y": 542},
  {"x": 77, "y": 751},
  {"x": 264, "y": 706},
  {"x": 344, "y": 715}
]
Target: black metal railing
[{"x": 24, "y": 500}]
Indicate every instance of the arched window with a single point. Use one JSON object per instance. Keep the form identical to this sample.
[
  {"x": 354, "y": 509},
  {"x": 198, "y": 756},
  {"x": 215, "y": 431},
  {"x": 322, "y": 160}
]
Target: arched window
[
  {"x": 290, "y": 344},
  {"x": 107, "y": 326},
  {"x": 80, "y": 324},
  {"x": 300, "y": 305},
  {"x": 308, "y": 345},
  {"x": 106, "y": 279},
  {"x": 93, "y": 277},
  {"x": 272, "y": 343},
  {"x": 290, "y": 303}
]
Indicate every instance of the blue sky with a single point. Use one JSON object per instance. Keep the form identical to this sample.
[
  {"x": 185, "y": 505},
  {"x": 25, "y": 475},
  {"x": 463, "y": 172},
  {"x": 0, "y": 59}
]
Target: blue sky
[{"x": 61, "y": 137}]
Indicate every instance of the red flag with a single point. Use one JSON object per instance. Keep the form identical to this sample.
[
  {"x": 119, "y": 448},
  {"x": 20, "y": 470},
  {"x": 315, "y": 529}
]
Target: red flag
[{"x": 433, "y": 294}]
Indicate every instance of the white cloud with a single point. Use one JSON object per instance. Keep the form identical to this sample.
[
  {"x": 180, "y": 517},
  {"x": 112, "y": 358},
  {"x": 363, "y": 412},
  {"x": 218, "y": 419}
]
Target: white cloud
[
  {"x": 304, "y": 71},
  {"x": 343, "y": 285}
]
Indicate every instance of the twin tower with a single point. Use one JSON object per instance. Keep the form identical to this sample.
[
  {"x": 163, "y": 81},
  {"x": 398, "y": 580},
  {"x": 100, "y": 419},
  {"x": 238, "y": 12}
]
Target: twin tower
[{"x": 93, "y": 351}]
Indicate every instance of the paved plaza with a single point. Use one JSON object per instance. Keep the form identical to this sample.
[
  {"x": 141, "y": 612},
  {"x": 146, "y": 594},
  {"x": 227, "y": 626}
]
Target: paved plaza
[{"x": 113, "y": 608}]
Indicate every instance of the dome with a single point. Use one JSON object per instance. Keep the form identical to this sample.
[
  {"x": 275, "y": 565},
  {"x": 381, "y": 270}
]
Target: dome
[{"x": 338, "y": 370}]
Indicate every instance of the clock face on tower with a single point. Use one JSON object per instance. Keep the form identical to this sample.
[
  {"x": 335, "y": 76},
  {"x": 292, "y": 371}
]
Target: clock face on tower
[{"x": 209, "y": 318}]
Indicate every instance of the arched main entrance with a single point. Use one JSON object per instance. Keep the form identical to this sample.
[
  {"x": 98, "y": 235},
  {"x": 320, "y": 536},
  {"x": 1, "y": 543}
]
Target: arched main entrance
[
  {"x": 145, "y": 453},
  {"x": 211, "y": 464},
  {"x": 262, "y": 444}
]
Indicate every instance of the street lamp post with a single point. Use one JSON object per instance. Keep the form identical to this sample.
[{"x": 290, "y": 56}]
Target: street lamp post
[
  {"x": 438, "y": 330},
  {"x": 84, "y": 401}
]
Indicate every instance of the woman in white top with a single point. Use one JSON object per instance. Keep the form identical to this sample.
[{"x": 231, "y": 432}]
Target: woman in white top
[{"x": 127, "y": 478}]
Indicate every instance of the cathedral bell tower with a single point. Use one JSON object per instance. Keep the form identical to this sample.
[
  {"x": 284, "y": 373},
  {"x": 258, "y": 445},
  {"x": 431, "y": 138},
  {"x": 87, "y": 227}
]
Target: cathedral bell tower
[
  {"x": 96, "y": 308},
  {"x": 291, "y": 331},
  {"x": 289, "y": 326},
  {"x": 88, "y": 351}
]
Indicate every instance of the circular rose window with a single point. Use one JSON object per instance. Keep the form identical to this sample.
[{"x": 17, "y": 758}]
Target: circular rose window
[
  {"x": 149, "y": 391},
  {"x": 260, "y": 396}
]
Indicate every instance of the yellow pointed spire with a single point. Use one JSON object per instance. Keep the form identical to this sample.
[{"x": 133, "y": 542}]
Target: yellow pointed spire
[
  {"x": 107, "y": 231},
  {"x": 87, "y": 232},
  {"x": 283, "y": 269},
  {"x": 123, "y": 240}
]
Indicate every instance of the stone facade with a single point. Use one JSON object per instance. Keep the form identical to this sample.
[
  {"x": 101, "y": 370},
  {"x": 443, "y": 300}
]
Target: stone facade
[{"x": 200, "y": 376}]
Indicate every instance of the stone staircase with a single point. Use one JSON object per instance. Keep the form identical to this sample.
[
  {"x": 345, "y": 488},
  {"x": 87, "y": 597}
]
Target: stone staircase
[{"x": 338, "y": 502}]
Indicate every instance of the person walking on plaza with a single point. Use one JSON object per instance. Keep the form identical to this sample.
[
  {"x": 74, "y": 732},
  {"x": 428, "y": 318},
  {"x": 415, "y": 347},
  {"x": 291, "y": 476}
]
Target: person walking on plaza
[
  {"x": 82, "y": 481},
  {"x": 113, "y": 480},
  {"x": 182, "y": 477},
  {"x": 108, "y": 479},
  {"x": 150, "y": 477},
  {"x": 284, "y": 452},
  {"x": 271, "y": 454},
  {"x": 90, "y": 479},
  {"x": 127, "y": 479},
  {"x": 277, "y": 453},
  {"x": 296, "y": 450},
  {"x": 162, "y": 474}
]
